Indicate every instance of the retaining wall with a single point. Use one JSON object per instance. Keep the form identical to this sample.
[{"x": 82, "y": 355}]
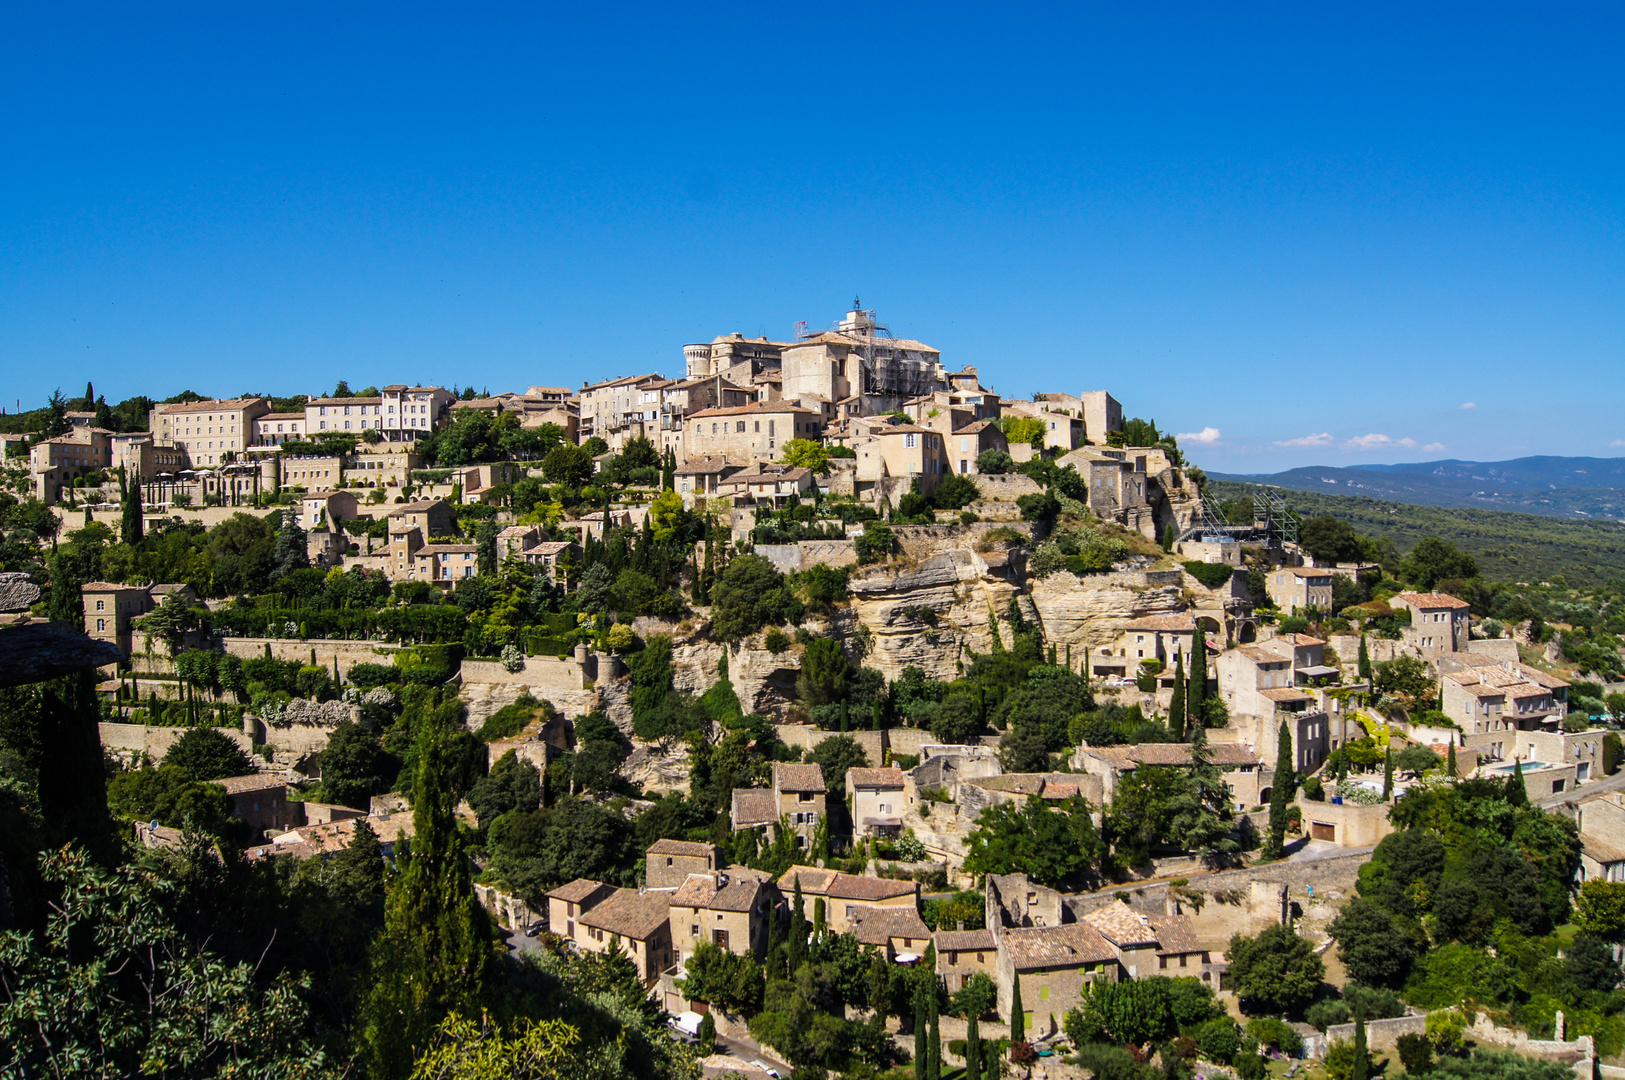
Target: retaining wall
[
  {"x": 136, "y": 739},
  {"x": 348, "y": 653}
]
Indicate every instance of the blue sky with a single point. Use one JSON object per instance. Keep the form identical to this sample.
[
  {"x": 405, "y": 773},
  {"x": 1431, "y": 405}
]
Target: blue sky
[{"x": 1370, "y": 233}]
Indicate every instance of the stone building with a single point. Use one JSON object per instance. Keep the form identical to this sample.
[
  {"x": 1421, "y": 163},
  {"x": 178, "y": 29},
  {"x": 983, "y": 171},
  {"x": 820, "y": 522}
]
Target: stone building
[
  {"x": 211, "y": 432},
  {"x": 797, "y": 796},
  {"x": 877, "y": 799},
  {"x": 747, "y": 434},
  {"x": 732, "y": 909},
  {"x": 109, "y": 609},
  {"x": 411, "y": 412},
  {"x": 844, "y": 895},
  {"x": 262, "y": 802},
  {"x": 411, "y": 526},
  {"x": 1300, "y": 588},
  {"x": 668, "y": 863},
  {"x": 637, "y": 923},
  {"x": 1440, "y": 623}
]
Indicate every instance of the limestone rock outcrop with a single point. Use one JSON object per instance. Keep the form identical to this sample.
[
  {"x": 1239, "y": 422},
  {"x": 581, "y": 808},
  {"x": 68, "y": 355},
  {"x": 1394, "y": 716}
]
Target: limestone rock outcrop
[
  {"x": 956, "y": 587},
  {"x": 1089, "y": 611}
]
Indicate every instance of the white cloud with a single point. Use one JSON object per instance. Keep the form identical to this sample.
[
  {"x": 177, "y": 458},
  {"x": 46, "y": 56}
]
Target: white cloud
[
  {"x": 1617, "y": 442},
  {"x": 1434, "y": 447},
  {"x": 1323, "y": 439},
  {"x": 1468, "y": 405},
  {"x": 1206, "y": 435},
  {"x": 1375, "y": 439}
]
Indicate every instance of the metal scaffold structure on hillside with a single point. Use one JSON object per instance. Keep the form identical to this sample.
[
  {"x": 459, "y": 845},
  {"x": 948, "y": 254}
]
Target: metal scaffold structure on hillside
[{"x": 1279, "y": 523}]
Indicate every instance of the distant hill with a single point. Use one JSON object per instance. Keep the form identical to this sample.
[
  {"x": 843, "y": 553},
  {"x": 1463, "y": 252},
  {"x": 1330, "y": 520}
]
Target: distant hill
[
  {"x": 1589, "y": 488},
  {"x": 1508, "y": 546}
]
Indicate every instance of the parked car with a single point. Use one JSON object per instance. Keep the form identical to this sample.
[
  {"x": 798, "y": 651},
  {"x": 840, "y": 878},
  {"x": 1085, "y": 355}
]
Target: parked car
[
  {"x": 765, "y": 1067},
  {"x": 533, "y": 929}
]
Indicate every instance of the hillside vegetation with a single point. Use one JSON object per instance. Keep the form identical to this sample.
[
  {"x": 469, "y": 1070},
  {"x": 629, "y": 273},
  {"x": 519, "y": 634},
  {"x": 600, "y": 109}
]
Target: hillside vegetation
[{"x": 1508, "y": 546}]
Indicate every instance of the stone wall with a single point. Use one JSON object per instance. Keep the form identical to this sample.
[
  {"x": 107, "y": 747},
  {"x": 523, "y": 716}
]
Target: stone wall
[
  {"x": 1006, "y": 487},
  {"x": 922, "y": 541},
  {"x": 348, "y": 653},
  {"x": 792, "y": 558},
  {"x": 562, "y": 680},
  {"x": 132, "y": 740},
  {"x": 1381, "y": 1034},
  {"x": 808, "y": 737},
  {"x": 1335, "y": 874}
]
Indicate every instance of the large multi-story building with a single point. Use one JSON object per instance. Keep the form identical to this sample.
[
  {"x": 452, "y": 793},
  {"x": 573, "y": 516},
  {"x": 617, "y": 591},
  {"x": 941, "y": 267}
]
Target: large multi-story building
[
  {"x": 57, "y": 462},
  {"x": 212, "y": 432},
  {"x": 410, "y": 412},
  {"x": 344, "y": 416}
]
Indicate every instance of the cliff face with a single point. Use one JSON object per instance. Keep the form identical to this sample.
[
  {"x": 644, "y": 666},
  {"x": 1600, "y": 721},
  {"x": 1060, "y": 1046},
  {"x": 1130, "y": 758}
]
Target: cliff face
[
  {"x": 955, "y": 585},
  {"x": 1089, "y": 611}
]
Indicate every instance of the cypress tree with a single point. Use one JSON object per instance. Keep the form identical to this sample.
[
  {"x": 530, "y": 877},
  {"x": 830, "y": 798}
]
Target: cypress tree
[
  {"x": 818, "y": 915},
  {"x": 1018, "y": 1019},
  {"x": 1361, "y": 1069},
  {"x": 1450, "y": 761},
  {"x": 1517, "y": 794},
  {"x": 1168, "y": 537},
  {"x": 796, "y": 947},
  {"x": 845, "y": 717},
  {"x": 1196, "y": 696},
  {"x": 1365, "y": 661},
  {"x": 1177, "y": 712},
  {"x": 922, "y": 1033},
  {"x": 874, "y": 717},
  {"x": 710, "y": 565},
  {"x": 1286, "y": 781},
  {"x": 1388, "y": 773},
  {"x": 935, "y": 1062},
  {"x": 973, "y": 1050},
  {"x": 433, "y": 955}
]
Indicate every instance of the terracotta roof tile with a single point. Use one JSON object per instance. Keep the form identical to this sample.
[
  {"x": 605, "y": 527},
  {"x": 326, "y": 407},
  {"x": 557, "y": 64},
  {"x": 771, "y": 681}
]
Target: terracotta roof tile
[
  {"x": 630, "y": 914},
  {"x": 576, "y": 891},
  {"x": 1056, "y": 946},
  {"x": 789, "y": 777},
  {"x": 888, "y": 778},
  {"x": 693, "y": 848},
  {"x": 754, "y": 806},
  {"x": 965, "y": 941},
  {"x": 878, "y": 925},
  {"x": 1431, "y": 600}
]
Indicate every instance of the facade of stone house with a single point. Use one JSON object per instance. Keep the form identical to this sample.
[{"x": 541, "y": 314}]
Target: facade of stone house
[
  {"x": 1300, "y": 588},
  {"x": 731, "y": 908},
  {"x": 1440, "y": 623},
  {"x": 637, "y": 923}
]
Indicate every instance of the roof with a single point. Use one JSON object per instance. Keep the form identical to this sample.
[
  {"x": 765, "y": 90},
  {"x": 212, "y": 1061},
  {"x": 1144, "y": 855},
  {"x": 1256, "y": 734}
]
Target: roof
[
  {"x": 109, "y": 586},
  {"x": 263, "y": 417},
  {"x": 629, "y": 913},
  {"x": 754, "y": 407},
  {"x": 1297, "y": 641},
  {"x": 1283, "y": 694},
  {"x": 1307, "y": 571},
  {"x": 1056, "y": 946},
  {"x": 692, "y": 848},
  {"x": 1431, "y": 600},
  {"x": 887, "y": 778},
  {"x": 346, "y": 401},
  {"x": 878, "y": 925},
  {"x": 788, "y": 777},
  {"x": 841, "y": 886},
  {"x": 216, "y": 404},
  {"x": 1183, "y": 622},
  {"x": 252, "y": 782},
  {"x": 577, "y": 890},
  {"x": 754, "y": 806},
  {"x": 418, "y": 507},
  {"x": 1225, "y": 755},
  {"x": 727, "y": 890},
  {"x": 308, "y": 841},
  {"x": 1261, "y": 655},
  {"x": 977, "y": 428},
  {"x": 446, "y": 549},
  {"x": 1122, "y": 925},
  {"x": 1602, "y": 852},
  {"x": 964, "y": 940},
  {"x": 701, "y": 466}
]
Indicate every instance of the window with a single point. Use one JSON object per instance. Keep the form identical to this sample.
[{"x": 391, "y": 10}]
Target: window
[
  {"x": 740, "y": 430},
  {"x": 910, "y": 440},
  {"x": 101, "y": 625},
  {"x": 101, "y": 605}
]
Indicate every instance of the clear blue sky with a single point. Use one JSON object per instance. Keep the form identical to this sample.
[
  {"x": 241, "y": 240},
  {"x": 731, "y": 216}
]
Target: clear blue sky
[{"x": 1299, "y": 223}]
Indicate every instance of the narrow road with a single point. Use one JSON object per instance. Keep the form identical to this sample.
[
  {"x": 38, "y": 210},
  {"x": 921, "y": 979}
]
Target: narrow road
[{"x": 747, "y": 1050}]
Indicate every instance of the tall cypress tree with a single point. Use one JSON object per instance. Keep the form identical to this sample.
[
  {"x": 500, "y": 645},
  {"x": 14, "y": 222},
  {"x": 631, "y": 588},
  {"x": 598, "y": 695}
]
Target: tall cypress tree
[
  {"x": 1388, "y": 773},
  {"x": 1196, "y": 697},
  {"x": 796, "y": 947},
  {"x": 1365, "y": 661},
  {"x": 922, "y": 1033},
  {"x": 1285, "y": 786},
  {"x": 973, "y": 1050},
  {"x": 1517, "y": 794},
  {"x": 934, "y": 1065},
  {"x": 433, "y": 955},
  {"x": 1018, "y": 1018},
  {"x": 1177, "y": 713},
  {"x": 1450, "y": 762},
  {"x": 1361, "y": 1069}
]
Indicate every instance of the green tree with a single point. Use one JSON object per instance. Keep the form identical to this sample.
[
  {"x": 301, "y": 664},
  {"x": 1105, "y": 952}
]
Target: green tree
[
  {"x": 1361, "y": 1067},
  {"x": 824, "y": 673},
  {"x": 1053, "y": 844},
  {"x": 834, "y": 756},
  {"x": 1365, "y": 661},
  {"x": 432, "y": 956},
  {"x": 1388, "y": 774},
  {"x": 1330, "y": 539},
  {"x": 568, "y": 465},
  {"x": 876, "y": 543},
  {"x": 1276, "y": 972},
  {"x": 353, "y": 766},
  {"x": 1169, "y": 536},
  {"x": 131, "y": 528},
  {"x": 1018, "y": 1017},
  {"x": 1178, "y": 713},
  {"x": 1197, "y": 700},
  {"x": 1433, "y": 560},
  {"x": 145, "y": 1000},
  {"x": 208, "y": 754},
  {"x": 1374, "y": 951},
  {"x": 289, "y": 552},
  {"x": 806, "y": 454},
  {"x": 1599, "y": 909},
  {"x": 1285, "y": 787},
  {"x": 994, "y": 462},
  {"x": 750, "y": 594}
]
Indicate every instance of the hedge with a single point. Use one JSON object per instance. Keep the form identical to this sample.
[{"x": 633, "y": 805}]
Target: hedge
[{"x": 1210, "y": 574}]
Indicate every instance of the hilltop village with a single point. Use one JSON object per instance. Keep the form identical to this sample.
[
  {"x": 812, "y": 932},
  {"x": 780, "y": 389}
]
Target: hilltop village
[{"x": 821, "y": 674}]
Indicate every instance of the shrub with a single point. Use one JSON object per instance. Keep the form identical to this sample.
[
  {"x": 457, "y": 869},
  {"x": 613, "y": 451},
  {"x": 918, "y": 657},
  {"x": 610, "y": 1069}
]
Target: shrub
[
  {"x": 877, "y": 542},
  {"x": 369, "y": 676},
  {"x": 1275, "y": 1034},
  {"x": 1219, "y": 1040},
  {"x": 776, "y": 641},
  {"x": 995, "y": 462},
  {"x": 1209, "y": 574}
]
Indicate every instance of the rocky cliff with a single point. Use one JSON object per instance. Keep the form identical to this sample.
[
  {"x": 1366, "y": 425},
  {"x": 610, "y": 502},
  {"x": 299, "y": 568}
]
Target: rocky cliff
[{"x": 1089, "y": 611}]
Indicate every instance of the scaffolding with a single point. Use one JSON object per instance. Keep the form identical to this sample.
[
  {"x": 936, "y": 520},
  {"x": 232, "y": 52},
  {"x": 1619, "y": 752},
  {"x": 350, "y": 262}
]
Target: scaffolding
[{"x": 1280, "y": 525}]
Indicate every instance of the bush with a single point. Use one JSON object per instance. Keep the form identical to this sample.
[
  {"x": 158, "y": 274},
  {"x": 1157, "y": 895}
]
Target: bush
[
  {"x": 1275, "y": 1034},
  {"x": 1209, "y": 574},
  {"x": 995, "y": 462},
  {"x": 1041, "y": 506},
  {"x": 1326, "y": 1013},
  {"x": 776, "y": 641},
  {"x": 955, "y": 491},
  {"x": 1219, "y": 1040},
  {"x": 877, "y": 542},
  {"x": 370, "y": 676}
]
